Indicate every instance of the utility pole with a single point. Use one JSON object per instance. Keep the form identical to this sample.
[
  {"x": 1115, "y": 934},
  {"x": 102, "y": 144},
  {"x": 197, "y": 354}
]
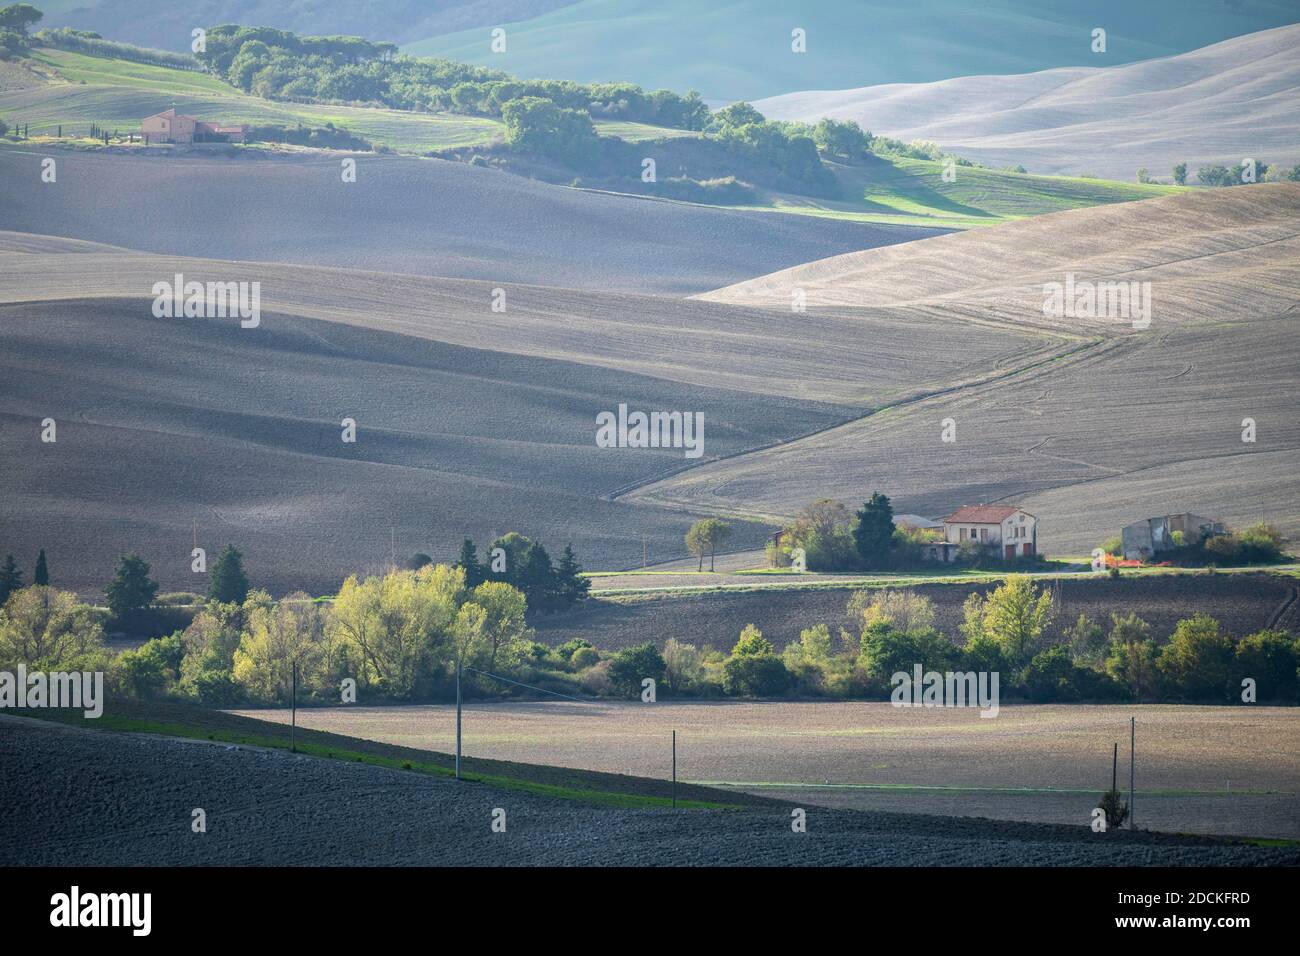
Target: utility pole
[
  {"x": 1132, "y": 765},
  {"x": 645, "y": 552},
  {"x": 293, "y": 725}
]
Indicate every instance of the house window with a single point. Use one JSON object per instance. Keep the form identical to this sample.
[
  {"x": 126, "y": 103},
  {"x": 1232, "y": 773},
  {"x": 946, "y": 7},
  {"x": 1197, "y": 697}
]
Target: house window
[{"x": 984, "y": 534}]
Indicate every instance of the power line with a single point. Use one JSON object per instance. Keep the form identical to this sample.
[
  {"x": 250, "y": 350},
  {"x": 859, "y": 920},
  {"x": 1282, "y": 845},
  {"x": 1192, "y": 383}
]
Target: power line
[{"x": 543, "y": 690}]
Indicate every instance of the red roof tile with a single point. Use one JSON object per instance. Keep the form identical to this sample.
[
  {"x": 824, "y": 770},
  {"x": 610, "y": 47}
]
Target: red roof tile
[{"x": 981, "y": 514}]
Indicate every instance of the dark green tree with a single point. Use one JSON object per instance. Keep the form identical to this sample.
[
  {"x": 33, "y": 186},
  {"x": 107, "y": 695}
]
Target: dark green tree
[
  {"x": 475, "y": 573},
  {"x": 19, "y": 17},
  {"x": 1180, "y": 174},
  {"x": 228, "y": 583},
  {"x": 629, "y": 667},
  {"x": 874, "y": 533},
  {"x": 131, "y": 591},
  {"x": 418, "y": 560},
  {"x": 41, "y": 575},
  {"x": 538, "y": 580},
  {"x": 11, "y": 579},
  {"x": 573, "y": 587}
]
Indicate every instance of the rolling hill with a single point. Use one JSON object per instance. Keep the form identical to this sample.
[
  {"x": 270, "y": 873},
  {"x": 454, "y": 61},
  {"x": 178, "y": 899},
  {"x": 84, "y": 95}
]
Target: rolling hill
[
  {"x": 1126, "y": 423},
  {"x": 1218, "y": 104},
  {"x": 469, "y": 421},
  {"x": 421, "y": 216},
  {"x": 742, "y": 50}
]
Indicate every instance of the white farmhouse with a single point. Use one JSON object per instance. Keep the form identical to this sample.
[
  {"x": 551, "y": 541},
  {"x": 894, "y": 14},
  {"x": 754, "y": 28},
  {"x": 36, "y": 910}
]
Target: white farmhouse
[{"x": 1005, "y": 530}]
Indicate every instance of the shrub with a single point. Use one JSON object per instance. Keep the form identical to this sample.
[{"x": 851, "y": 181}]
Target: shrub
[
  {"x": 683, "y": 666},
  {"x": 583, "y": 658},
  {"x": 150, "y": 669},
  {"x": 885, "y": 651},
  {"x": 1053, "y": 677},
  {"x": 1270, "y": 658},
  {"x": 1197, "y": 662},
  {"x": 755, "y": 675},
  {"x": 628, "y": 668},
  {"x": 1115, "y": 808},
  {"x": 752, "y": 643}
]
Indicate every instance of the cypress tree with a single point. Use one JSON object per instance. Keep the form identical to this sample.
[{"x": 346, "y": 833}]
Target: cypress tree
[
  {"x": 572, "y": 585},
  {"x": 228, "y": 583},
  {"x": 41, "y": 575},
  {"x": 475, "y": 573},
  {"x": 874, "y": 534}
]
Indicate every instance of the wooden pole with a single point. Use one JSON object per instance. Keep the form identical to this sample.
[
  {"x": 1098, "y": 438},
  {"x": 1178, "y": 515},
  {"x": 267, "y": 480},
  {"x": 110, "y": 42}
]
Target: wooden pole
[
  {"x": 293, "y": 725},
  {"x": 674, "y": 770}
]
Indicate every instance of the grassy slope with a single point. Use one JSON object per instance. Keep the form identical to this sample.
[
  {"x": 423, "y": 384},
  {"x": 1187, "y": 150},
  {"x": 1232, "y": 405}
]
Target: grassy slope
[
  {"x": 912, "y": 192},
  {"x": 741, "y": 49}
]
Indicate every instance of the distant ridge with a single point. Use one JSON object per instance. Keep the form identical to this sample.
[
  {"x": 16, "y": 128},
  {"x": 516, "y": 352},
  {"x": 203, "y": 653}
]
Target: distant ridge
[{"x": 1220, "y": 104}]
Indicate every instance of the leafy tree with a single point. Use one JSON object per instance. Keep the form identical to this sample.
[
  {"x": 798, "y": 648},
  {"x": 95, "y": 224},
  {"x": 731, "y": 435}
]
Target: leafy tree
[
  {"x": 904, "y": 611},
  {"x": 752, "y": 643},
  {"x": 11, "y": 579},
  {"x": 228, "y": 584},
  {"x": 683, "y": 666},
  {"x": 885, "y": 651},
  {"x": 630, "y": 667},
  {"x": 278, "y": 637},
  {"x": 132, "y": 590},
  {"x": 46, "y": 628},
  {"x": 874, "y": 533},
  {"x": 19, "y": 17},
  {"x": 1270, "y": 658},
  {"x": 845, "y": 139},
  {"x": 418, "y": 560},
  {"x": 1143, "y": 176},
  {"x": 705, "y": 536},
  {"x": 503, "y": 623},
  {"x": 1014, "y": 617},
  {"x": 1197, "y": 662},
  {"x": 150, "y": 669},
  {"x": 1088, "y": 644},
  {"x": 736, "y": 115},
  {"x": 762, "y": 675},
  {"x": 1180, "y": 174},
  {"x": 467, "y": 560},
  {"x": 537, "y": 125},
  {"x": 1052, "y": 676},
  {"x": 41, "y": 576}
]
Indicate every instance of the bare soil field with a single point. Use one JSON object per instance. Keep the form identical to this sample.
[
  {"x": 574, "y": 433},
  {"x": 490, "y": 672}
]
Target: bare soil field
[
  {"x": 1108, "y": 433},
  {"x": 422, "y": 217},
  {"x": 1212, "y": 770},
  {"x": 163, "y": 425},
  {"x": 1243, "y": 603},
  {"x": 87, "y": 797}
]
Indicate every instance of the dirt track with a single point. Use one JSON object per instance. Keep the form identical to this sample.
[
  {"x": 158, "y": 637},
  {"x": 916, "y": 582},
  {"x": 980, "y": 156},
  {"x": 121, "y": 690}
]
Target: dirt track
[{"x": 75, "y": 797}]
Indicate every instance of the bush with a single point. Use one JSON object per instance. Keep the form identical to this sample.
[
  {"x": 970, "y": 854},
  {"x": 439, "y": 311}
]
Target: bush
[
  {"x": 885, "y": 651},
  {"x": 1270, "y": 659},
  {"x": 1053, "y": 677},
  {"x": 757, "y": 675},
  {"x": 1115, "y": 808},
  {"x": 628, "y": 668},
  {"x": 152, "y": 668},
  {"x": 537, "y": 125},
  {"x": 583, "y": 658},
  {"x": 1197, "y": 662},
  {"x": 216, "y": 689}
]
